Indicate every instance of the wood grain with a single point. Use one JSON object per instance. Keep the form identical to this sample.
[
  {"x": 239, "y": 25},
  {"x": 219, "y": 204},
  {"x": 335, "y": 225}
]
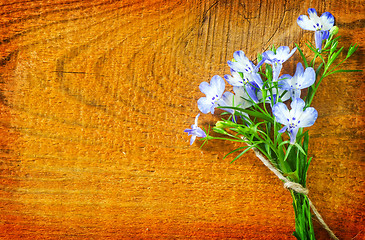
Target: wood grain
[{"x": 95, "y": 96}]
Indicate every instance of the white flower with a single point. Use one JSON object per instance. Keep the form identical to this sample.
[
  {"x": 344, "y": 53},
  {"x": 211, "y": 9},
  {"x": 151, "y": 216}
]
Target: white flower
[{"x": 321, "y": 25}]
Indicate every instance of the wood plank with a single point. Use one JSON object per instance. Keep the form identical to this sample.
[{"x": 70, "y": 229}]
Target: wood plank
[{"x": 95, "y": 96}]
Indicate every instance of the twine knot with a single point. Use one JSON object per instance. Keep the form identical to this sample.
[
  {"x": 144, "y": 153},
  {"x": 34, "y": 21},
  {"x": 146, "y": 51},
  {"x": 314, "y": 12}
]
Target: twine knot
[{"x": 296, "y": 187}]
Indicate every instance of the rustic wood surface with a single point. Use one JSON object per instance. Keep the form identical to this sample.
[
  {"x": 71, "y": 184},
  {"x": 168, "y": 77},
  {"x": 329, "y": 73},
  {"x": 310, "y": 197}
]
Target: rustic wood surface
[{"x": 95, "y": 96}]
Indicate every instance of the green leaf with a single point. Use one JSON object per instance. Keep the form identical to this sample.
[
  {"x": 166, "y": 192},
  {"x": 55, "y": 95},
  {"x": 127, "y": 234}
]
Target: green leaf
[
  {"x": 342, "y": 70},
  {"x": 333, "y": 47},
  {"x": 311, "y": 47},
  {"x": 352, "y": 49},
  {"x": 323, "y": 61},
  {"x": 243, "y": 152},
  {"x": 285, "y": 142},
  {"x": 334, "y": 56},
  {"x": 287, "y": 152},
  {"x": 234, "y": 151},
  {"x": 300, "y": 148},
  {"x": 302, "y": 55}
]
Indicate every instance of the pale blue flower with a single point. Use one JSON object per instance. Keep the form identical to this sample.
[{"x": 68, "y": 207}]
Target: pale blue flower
[
  {"x": 236, "y": 79},
  {"x": 244, "y": 65},
  {"x": 301, "y": 79},
  {"x": 321, "y": 25},
  {"x": 195, "y": 131},
  {"x": 295, "y": 118},
  {"x": 277, "y": 59},
  {"x": 213, "y": 92}
]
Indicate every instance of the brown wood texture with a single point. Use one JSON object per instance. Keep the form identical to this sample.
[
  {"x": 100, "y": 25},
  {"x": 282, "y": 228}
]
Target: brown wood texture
[{"x": 95, "y": 96}]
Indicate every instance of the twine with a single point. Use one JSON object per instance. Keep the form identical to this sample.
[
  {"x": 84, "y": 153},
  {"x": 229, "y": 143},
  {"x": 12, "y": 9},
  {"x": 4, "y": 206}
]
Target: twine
[{"x": 293, "y": 186}]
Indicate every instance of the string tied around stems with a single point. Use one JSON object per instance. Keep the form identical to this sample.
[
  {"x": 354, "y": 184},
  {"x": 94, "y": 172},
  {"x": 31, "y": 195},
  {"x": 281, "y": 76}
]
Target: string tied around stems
[{"x": 292, "y": 186}]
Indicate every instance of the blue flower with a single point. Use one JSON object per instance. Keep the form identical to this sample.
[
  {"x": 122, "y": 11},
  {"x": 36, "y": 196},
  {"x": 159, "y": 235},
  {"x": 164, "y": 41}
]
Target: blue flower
[
  {"x": 277, "y": 59},
  {"x": 321, "y": 25},
  {"x": 213, "y": 92},
  {"x": 295, "y": 118},
  {"x": 301, "y": 79},
  {"x": 195, "y": 131},
  {"x": 242, "y": 64}
]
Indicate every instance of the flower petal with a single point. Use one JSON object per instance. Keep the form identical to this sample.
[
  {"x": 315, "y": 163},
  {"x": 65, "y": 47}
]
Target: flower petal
[
  {"x": 297, "y": 106},
  {"x": 305, "y": 23},
  {"x": 240, "y": 56},
  {"x": 268, "y": 55},
  {"x": 284, "y": 81},
  {"x": 206, "y": 89},
  {"x": 217, "y": 83},
  {"x": 196, "y": 119},
  {"x": 327, "y": 20},
  {"x": 236, "y": 66},
  {"x": 235, "y": 80},
  {"x": 200, "y": 133},
  {"x": 251, "y": 93},
  {"x": 189, "y": 131},
  {"x": 241, "y": 97},
  {"x": 283, "y": 129},
  {"x": 276, "y": 69},
  {"x": 204, "y": 105},
  {"x": 309, "y": 77},
  {"x": 282, "y": 50},
  {"x": 308, "y": 117},
  {"x": 257, "y": 68},
  {"x": 312, "y": 12},
  {"x": 192, "y": 139},
  {"x": 293, "y": 135},
  {"x": 281, "y": 113},
  {"x": 216, "y": 86},
  {"x": 257, "y": 79},
  {"x": 326, "y": 34},
  {"x": 299, "y": 70},
  {"x": 295, "y": 93},
  {"x": 318, "y": 39}
]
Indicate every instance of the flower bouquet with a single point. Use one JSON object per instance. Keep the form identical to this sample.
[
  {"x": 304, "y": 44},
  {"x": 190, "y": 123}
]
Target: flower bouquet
[{"x": 267, "y": 111}]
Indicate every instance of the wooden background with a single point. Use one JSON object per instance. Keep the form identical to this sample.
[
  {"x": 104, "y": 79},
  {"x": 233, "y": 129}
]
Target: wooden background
[{"x": 95, "y": 96}]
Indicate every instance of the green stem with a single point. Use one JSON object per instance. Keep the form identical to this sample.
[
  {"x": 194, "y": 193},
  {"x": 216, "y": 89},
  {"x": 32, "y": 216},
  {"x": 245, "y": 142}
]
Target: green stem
[{"x": 303, "y": 220}]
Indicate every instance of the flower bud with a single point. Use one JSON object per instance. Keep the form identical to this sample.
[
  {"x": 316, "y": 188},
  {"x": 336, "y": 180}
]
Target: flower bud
[
  {"x": 219, "y": 130},
  {"x": 334, "y": 30},
  {"x": 225, "y": 124},
  {"x": 220, "y": 124}
]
